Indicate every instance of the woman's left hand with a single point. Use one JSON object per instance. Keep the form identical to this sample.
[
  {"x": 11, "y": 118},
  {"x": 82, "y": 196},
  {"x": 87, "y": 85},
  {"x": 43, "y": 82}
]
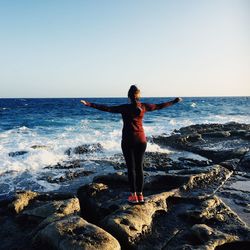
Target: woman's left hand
[{"x": 84, "y": 102}]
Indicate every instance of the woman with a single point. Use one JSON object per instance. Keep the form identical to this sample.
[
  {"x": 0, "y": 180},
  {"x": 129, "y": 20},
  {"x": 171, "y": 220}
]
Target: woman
[{"x": 134, "y": 141}]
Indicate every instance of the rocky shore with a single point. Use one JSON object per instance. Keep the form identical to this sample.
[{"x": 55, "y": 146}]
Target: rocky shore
[{"x": 197, "y": 197}]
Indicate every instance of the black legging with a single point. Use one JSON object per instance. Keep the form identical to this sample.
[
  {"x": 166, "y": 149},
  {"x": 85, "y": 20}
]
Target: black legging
[{"x": 134, "y": 154}]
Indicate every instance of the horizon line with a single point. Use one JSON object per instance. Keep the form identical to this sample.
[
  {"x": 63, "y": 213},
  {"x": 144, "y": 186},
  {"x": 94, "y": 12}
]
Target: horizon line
[{"x": 103, "y": 97}]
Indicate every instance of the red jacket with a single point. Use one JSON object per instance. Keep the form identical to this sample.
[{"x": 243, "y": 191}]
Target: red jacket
[{"x": 132, "y": 131}]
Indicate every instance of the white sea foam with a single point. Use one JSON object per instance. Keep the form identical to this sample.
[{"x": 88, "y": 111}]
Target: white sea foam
[
  {"x": 156, "y": 148},
  {"x": 172, "y": 122},
  {"x": 221, "y": 119},
  {"x": 47, "y": 186}
]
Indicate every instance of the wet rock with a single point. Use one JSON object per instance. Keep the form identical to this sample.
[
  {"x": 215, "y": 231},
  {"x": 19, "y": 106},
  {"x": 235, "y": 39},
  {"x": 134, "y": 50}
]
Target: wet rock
[
  {"x": 194, "y": 137},
  {"x": 39, "y": 147},
  {"x": 206, "y": 183},
  {"x": 54, "y": 196},
  {"x": 68, "y": 176},
  {"x": 22, "y": 199},
  {"x": 230, "y": 164},
  {"x": 244, "y": 164},
  {"x": 204, "y": 237},
  {"x": 157, "y": 161},
  {"x": 219, "y": 134},
  {"x": 67, "y": 165},
  {"x": 47, "y": 209},
  {"x": 220, "y": 142},
  {"x": 235, "y": 193},
  {"x": 84, "y": 149},
  {"x": 75, "y": 233},
  {"x": 209, "y": 209},
  {"x": 18, "y": 153},
  {"x": 232, "y": 127},
  {"x": 216, "y": 213}
]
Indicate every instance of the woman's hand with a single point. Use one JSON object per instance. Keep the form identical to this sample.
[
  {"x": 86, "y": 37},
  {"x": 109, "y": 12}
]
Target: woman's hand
[
  {"x": 178, "y": 99},
  {"x": 84, "y": 102}
]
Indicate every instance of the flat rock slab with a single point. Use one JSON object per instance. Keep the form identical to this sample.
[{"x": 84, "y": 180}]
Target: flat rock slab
[
  {"x": 218, "y": 142},
  {"x": 236, "y": 194},
  {"x": 205, "y": 184},
  {"x": 73, "y": 232},
  {"x": 194, "y": 224},
  {"x": 84, "y": 149},
  {"x": 244, "y": 164},
  {"x": 45, "y": 209},
  {"x": 172, "y": 202},
  {"x": 106, "y": 194}
]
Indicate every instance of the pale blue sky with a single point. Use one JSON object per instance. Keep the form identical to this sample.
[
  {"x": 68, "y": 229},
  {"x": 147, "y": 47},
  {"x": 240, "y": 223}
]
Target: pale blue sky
[{"x": 91, "y": 48}]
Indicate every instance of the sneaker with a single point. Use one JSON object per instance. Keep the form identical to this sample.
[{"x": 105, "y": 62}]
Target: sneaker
[
  {"x": 133, "y": 199},
  {"x": 141, "y": 198}
]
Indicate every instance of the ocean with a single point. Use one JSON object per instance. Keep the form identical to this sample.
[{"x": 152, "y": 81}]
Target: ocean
[{"x": 45, "y": 128}]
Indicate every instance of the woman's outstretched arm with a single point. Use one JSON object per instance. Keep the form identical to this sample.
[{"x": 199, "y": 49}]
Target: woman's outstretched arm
[
  {"x": 152, "y": 107},
  {"x": 111, "y": 109}
]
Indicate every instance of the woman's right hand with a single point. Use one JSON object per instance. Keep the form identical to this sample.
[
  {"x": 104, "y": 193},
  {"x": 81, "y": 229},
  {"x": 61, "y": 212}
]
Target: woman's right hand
[{"x": 178, "y": 99}]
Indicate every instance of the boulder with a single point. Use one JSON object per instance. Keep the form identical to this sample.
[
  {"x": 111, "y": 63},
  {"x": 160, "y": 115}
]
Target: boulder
[
  {"x": 203, "y": 237},
  {"x": 47, "y": 209},
  {"x": 84, "y": 149},
  {"x": 73, "y": 232},
  {"x": 22, "y": 199},
  {"x": 18, "y": 153}
]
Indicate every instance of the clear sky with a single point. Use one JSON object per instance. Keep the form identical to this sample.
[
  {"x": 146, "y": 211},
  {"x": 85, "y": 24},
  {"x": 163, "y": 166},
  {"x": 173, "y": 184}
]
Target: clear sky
[{"x": 97, "y": 48}]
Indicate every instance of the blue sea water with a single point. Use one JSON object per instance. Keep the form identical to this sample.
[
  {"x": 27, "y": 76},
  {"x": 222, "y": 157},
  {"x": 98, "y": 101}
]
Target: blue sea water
[{"x": 57, "y": 124}]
